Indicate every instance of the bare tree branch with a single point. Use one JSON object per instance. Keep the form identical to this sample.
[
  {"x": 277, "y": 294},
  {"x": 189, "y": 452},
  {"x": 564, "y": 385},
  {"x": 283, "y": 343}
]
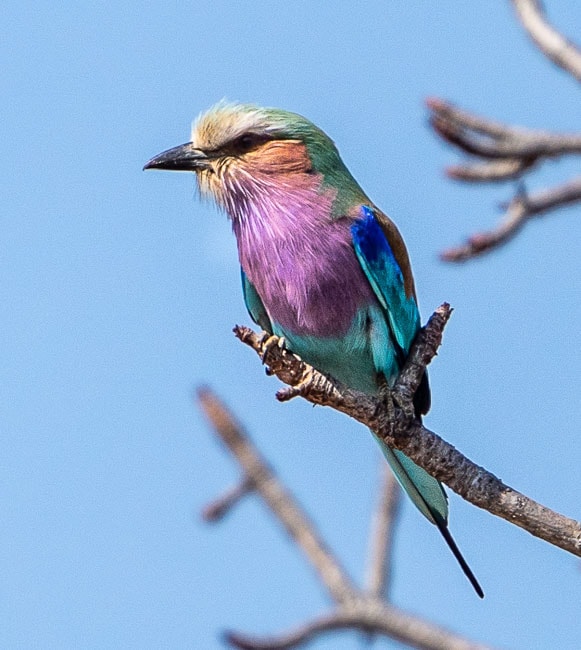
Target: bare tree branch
[
  {"x": 369, "y": 616},
  {"x": 297, "y": 524},
  {"x": 551, "y": 42},
  {"x": 356, "y": 609},
  {"x": 507, "y": 152},
  {"x": 482, "y": 137},
  {"x": 520, "y": 210},
  {"x": 293, "y": 639},
  {"x": 491, "y": 171},
  {"x": 397, "y": 428},
  {"x": 382, "y": 536}
]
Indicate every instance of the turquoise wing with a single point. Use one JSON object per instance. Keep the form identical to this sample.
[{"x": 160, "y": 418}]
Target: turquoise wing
[
  {"x": 379, "y": 263},
  {"x": 383, "y": 257},
  {"x": 254, "y": 304}
]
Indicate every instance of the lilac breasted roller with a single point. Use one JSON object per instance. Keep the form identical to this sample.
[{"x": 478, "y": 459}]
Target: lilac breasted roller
[{"x": 321, "y": 265}]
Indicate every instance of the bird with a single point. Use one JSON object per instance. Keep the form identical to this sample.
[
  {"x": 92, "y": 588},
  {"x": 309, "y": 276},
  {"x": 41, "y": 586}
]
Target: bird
[{"x": 321, "y": 266}]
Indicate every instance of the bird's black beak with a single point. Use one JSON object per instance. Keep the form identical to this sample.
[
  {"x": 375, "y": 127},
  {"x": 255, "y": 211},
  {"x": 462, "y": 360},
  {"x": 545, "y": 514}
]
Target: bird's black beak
[{"x": 182, "y": 158}]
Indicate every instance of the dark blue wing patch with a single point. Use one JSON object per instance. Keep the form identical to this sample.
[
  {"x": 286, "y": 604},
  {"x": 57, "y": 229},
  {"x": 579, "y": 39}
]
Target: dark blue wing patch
[
  {"x": 385, "y": 276},
  {"x": 369, "y": 237}
]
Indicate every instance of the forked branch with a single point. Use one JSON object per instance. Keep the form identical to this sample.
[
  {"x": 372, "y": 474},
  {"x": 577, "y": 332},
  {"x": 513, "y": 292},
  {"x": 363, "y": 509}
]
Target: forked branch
[
  {"x": 500, "y": 152},
  {"x": 356, "y": 609}
]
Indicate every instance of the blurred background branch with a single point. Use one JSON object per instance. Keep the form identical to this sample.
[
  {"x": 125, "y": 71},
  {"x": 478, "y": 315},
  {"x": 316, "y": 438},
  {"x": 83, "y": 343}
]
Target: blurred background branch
[
  {"x": 549, "y": 40},
  {"x": 499, "y": 152},
  {"x": 367, "y": 610},
  {"x": 382, "y": 535}
]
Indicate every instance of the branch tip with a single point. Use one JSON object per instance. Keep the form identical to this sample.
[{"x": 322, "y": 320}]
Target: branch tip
[
  {"x": 219, "y": 508},
  {"x": 520, "y": 209},
  {"x": 237, "y": 640},
  {"x": 436, "y": 104}
]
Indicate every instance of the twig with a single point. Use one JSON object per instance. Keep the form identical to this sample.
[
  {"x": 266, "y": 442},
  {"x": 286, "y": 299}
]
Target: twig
[
  {"x": 382, "y": 536},
  {"x": 552, "y": 43},
  {"x": 356, "y": 609},
  {"x": 292, "y": 639},
  {"x": 219, "y": 508},
  {"x": 424, "y": 349},
  {"x": 493, "y": 140},
  {"x": 507, "y": 152},
  {"x": 424, "y": 447},
  {"x": 491, "y": 171},
  {"x": 519, "y": 211}
]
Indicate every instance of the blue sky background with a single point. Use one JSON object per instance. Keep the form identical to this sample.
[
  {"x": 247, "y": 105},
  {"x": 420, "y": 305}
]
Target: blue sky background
[{"x": 119, "y": 293}]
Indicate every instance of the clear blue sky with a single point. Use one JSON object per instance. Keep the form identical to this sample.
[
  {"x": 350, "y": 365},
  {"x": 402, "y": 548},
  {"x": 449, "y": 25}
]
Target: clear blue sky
[{"x": 119, "y": 293}]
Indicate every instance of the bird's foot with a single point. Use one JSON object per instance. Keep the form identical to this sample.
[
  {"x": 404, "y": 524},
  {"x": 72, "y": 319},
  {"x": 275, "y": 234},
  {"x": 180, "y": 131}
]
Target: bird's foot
[
  {"x": 404, "y": 404},
  {"x": 301, "y": 389},
  {"x": 393, "y": 399},
  {"x": 270, "y": 341}
]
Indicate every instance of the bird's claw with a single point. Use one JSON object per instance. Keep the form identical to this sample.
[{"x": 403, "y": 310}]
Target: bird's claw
[
  {"x": 299, "y": 390},
  {"x": 393, "y": 399},
  {"x": 270, "y": 341}
]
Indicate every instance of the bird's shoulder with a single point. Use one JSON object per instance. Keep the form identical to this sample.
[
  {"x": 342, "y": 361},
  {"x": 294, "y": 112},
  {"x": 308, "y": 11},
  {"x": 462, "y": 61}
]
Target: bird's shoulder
[{"x": 395, "y": 241}]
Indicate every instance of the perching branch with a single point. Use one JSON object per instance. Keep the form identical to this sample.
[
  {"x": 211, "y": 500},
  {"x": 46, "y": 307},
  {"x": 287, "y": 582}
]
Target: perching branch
[
  {"x": 499, "y": 152},
  {"x": 369, "y": 610},
  {"x": 356, "y": 609},
  {"x": 402, "y": 431}
]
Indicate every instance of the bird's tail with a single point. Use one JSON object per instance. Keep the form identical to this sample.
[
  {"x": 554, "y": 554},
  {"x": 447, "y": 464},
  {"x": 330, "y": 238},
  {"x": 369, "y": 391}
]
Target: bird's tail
[{"x": 429, "y": 497}]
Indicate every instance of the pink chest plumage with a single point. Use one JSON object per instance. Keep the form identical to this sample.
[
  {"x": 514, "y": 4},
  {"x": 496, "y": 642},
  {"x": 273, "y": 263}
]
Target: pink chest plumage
[{"x": 300, "y": 261}]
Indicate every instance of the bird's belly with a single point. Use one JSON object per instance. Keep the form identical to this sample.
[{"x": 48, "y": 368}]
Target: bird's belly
[
  {"x": 311, "y": 283},
  {"x": 320, "y": 305},
  {"x": 358, "y": 358},
  {"x": 318, "y": 297}
]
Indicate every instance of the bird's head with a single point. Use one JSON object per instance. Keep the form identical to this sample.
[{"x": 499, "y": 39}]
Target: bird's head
[{"x": 239, "y": 150}]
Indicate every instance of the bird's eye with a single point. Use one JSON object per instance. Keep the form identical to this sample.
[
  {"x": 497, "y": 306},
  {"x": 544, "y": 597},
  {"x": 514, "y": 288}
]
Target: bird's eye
[{"x": 246, "y": 142}]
